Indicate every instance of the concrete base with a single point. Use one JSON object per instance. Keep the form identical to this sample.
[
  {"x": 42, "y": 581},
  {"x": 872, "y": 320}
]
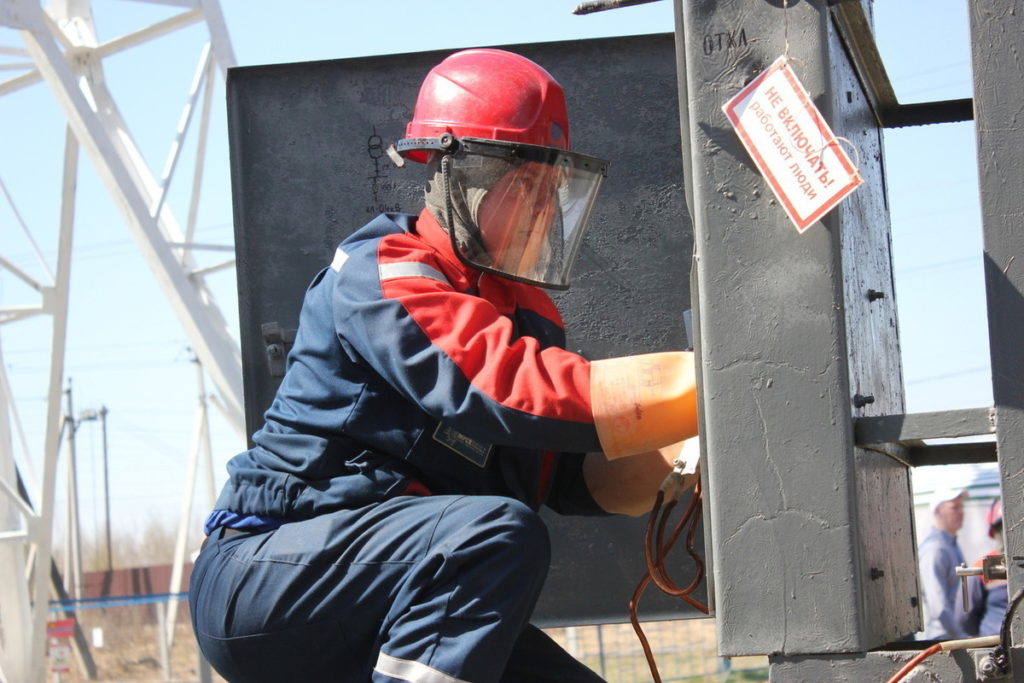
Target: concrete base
[{"x": 949, "y": 667}]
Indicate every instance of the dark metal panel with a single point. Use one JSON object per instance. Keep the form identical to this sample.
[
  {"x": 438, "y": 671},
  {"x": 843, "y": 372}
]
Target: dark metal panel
[
  {"x": 997, "y": 47},
  {"x": 308, "y": 167},
  {"x": 789, "y": 334}
]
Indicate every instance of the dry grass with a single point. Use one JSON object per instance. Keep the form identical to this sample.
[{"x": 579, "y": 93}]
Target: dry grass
[
  {"x": 685, "y": 650},
  {"x": 131, "y": 651}
]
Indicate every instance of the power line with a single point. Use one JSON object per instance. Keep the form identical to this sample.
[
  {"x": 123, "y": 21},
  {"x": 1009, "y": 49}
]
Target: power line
[
  {"x": 179, "y": 342},
  {"x": 899, "y": 78},
  {"x": 951, "y": 375},
  {"x": 964, "y": 260}
]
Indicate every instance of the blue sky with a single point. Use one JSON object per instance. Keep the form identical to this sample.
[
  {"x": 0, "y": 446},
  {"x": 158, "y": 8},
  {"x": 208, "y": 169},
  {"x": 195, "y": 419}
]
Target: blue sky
[{"x": 127, "y": 351}]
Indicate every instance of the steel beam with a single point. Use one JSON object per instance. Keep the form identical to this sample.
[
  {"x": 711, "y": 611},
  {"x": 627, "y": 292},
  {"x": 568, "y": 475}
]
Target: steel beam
[
  {"x": 812, "y": 537},
  {"x": 51, "y": 36},
  {"x": 15, "y": 516},
  {"x": 57, "y": 304},
  {"x": 108, "y": 144},
  {"x": 854, "y": 28},
  {"x": 952, "y": 667},
  {"x": 997, "y": 51},
  {"x": 917, "y": 426}
]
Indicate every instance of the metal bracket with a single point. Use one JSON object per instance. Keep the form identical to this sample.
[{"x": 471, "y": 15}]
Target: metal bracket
[
  {"x": 278, "y": 341},
  {"x": 858, "y": 38},
  {"x": 909, "y": 432},
  {"x": 993, "y": 567},
  {"x": 988, "y": 667},
  {"x": 916, "y": 426}
]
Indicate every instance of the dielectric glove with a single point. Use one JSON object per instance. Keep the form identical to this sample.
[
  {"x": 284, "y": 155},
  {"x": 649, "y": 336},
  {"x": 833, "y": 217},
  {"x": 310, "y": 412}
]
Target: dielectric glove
[{"x": 643, "y": 402}]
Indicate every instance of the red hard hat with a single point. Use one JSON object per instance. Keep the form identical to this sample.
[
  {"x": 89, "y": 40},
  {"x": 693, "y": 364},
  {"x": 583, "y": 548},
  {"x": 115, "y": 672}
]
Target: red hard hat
[
  {"x": 994, "y": 516},
  {"x": 491, "y": 94}
]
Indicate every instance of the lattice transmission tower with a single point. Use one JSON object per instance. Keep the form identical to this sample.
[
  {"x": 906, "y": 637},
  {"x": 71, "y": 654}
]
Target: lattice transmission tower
[{"x": 55, "y": 47}]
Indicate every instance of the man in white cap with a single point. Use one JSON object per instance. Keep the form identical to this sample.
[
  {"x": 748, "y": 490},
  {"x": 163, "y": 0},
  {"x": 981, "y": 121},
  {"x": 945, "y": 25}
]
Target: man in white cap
[{"x": 939, "y": 555}]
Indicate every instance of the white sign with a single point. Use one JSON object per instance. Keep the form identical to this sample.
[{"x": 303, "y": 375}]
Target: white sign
[{"x": 792, "y": 145}]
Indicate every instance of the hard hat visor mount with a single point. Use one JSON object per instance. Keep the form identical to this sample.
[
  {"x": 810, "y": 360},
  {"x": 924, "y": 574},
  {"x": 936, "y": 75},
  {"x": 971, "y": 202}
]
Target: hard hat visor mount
[{"x": 515, "y": 209}]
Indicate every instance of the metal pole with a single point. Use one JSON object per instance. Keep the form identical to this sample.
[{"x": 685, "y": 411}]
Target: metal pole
[
  {"x": 58, "y": 307},
  {"x": 205, "y": 670},
  {"x": 165, "y": 655},
  {"x": 202, "y": 440},
  {"x": 75, "y": 545},
  {"x": 996, "y": 49},
  {"x": 106, "y": 487}
]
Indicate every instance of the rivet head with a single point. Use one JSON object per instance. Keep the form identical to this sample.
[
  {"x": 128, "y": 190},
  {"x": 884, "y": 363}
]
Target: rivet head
[{"x": 861, "y": 400}]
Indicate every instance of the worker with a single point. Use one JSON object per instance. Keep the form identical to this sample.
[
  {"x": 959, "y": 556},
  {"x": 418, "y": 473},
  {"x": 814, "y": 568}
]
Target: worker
[
  {"x": 384, "y": 526},
  {"x": 939, "y": 555},
  {"x": 988, "y": 597}
]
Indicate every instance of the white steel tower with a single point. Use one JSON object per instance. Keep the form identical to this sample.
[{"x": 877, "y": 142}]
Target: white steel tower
[{"x": 60, "y": 51}]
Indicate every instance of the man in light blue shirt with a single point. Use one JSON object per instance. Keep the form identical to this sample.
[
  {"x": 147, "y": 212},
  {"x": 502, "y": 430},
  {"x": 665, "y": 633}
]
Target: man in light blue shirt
[{"x": 939, "y": 556}]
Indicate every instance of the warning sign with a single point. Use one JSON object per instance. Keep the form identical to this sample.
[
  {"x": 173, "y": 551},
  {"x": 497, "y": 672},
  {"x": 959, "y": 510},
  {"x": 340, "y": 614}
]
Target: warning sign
[
  {"x": 59, "y": 634},
  {"x": 792, "y": 145}
]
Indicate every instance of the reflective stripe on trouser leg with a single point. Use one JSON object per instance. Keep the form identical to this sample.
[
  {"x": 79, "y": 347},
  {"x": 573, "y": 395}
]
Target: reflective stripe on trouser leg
[{"x": 406, "y": 670}]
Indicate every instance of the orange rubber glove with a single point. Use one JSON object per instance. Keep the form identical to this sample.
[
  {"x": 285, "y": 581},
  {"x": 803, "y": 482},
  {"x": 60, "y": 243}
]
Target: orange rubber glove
[
  {"x": 629, "y": 485},
  {"x": 645, "y": 402}
]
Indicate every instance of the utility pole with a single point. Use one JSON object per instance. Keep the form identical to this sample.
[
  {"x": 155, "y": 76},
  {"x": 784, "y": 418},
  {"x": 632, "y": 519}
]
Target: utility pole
[
  {"x": 201, "y": 452},
  {"x": 106, "y": 488},
  {"x": 73, "y": 545},
  {"x": 101, "y": 415}
]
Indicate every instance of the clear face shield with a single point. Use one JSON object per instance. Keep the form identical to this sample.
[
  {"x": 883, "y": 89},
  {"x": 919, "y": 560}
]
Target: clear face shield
[{"x": 519, "y": 210}]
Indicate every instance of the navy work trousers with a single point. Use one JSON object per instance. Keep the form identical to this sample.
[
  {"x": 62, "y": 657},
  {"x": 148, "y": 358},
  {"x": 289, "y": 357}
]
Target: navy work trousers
[{"x": 434, "y": 589}]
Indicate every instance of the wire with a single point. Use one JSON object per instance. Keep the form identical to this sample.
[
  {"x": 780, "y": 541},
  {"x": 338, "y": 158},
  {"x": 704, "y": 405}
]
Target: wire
[
  {"x": 656, "y": 550},
  {"x": 945, "y": 646},
  {"x": 1004, "y": 628},
  {"x": 912, "y": 664}
]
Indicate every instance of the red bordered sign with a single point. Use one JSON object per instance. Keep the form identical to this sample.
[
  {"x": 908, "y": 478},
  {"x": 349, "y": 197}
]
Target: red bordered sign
[
  {"x": 792, "y": 145},
  {"x": 59, "y": 633}
]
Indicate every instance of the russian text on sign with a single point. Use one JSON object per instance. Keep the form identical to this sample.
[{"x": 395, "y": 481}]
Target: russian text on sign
[{"x": 792, "y": 145}]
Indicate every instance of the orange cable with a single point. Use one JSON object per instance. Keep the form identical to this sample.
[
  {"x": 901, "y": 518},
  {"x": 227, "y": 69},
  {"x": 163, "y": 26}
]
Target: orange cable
[
  {"x": 912, "y": 664},
  {"x": 656, "y": 551}
]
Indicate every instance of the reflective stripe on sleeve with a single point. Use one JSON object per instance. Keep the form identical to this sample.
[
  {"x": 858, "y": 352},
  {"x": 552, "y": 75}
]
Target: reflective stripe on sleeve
[
  {"x": 339, "y": 260},
  {"x": 411, "y": 269},
  {"x": 391, "y": 271},
  {"x": 412, "y": 671}
]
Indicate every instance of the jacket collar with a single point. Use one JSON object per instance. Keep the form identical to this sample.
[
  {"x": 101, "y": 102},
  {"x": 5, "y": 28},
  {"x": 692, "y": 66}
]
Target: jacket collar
[{"x": 431, "y": 232}]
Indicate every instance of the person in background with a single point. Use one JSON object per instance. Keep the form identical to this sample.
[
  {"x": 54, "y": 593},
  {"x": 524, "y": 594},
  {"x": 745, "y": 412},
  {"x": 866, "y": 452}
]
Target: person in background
[
  {"x": 939, "y": 555},
  {"x": 987, "y": 599}
]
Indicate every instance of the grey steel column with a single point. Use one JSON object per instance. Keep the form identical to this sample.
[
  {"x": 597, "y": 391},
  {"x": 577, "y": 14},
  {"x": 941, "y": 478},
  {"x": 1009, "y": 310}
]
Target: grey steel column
[
  {"x": 813, "y": 542},
  {"x": 997, "y": 47}
]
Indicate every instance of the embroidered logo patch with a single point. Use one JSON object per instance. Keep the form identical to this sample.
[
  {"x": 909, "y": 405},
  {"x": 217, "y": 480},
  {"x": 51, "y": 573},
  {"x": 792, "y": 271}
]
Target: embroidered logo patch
[{"x": 470, "y": 449}]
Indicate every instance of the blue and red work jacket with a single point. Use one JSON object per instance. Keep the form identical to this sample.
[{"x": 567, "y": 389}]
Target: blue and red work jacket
[{"x": 412, "y": 372}]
